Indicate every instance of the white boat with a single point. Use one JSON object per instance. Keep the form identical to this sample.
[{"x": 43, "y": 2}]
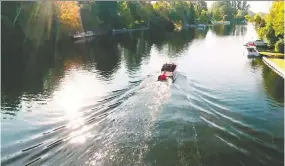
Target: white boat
[
  {"x": 221, "y": 23},
  {"x": 258, "y": 43},
  {"x": 89, "y": 34},
  {"x": 82, "y": 35},
  {"x": 78, "y": 35},
  {"x": 226, "y": 22},
  {"x": 83, "y": 40},
  {"x": 252, "y": 52},
  {"x": 244, "y": 22},
  {"x": 170, "y": 70},
  {"x": 202, "y": 26}
]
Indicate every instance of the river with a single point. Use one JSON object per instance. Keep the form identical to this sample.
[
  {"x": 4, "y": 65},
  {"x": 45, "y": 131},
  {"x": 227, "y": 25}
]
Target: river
[{"x": 98, "y": 103}]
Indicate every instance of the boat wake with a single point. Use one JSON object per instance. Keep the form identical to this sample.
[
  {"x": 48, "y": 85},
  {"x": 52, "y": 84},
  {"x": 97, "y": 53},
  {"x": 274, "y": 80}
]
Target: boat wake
[
  {"x": 150, "y": 122},
  {"x": 225, "y": 127},
  {"x": 124, "y": 116}
]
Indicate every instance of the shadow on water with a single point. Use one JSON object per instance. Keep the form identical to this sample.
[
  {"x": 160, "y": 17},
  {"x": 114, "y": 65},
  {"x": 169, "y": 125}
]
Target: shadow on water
[
  {"x": 176, "y": 42},
  {"x": 200, "y": 33},
  {"x": 273, "y": 84},
  {"x": 179, "y": 41},
  {"x": 134, "y": 48},
  {"x": 106, "y": 57},
  {"x": 239, "y": 30},
  {"x": 28, "y": 75},
  {"x": 228, "y": 30},
  {"x": 36, "y": 73}
]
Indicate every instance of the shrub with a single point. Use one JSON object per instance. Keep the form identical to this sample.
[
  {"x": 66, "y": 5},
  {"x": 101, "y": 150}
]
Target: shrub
[{"x": 279, "y": 46}]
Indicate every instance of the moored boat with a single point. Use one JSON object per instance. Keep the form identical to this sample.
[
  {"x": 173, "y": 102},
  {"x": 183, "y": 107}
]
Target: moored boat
[
  {"x": 252, "y": 52},
  {"x": 82, "y": 35},
  {"x": 257, "y": 43}
]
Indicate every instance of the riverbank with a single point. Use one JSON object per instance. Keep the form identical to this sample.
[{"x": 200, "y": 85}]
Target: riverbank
[
  {"x": 272, "y": 54},
  {"x": 277, "y": 65},
  {"x": 117, "y": 31},
  {"x": 91, "y": 34}
]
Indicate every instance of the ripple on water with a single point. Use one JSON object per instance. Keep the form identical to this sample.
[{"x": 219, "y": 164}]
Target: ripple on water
[{"x": 221, "y": 113}]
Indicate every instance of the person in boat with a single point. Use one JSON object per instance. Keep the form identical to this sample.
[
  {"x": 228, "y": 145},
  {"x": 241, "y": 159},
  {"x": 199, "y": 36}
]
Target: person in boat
[{"x": 162, "y": 76}]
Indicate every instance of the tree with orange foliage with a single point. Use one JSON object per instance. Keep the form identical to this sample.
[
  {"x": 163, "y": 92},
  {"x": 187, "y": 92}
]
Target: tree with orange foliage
[{"x": 69, "y": 15}]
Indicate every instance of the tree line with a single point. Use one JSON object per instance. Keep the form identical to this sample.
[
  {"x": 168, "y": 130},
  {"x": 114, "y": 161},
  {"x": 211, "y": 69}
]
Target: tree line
[
  {"x": 52, "y": 20},
  {"x": 270, "y": 27},
  {"x": 229, "y": 10}
]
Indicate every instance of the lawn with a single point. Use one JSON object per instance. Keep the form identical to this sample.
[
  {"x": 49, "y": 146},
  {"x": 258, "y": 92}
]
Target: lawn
[
  {"x": 278, "y": 62},
  {"x": 272, "y": 54}
]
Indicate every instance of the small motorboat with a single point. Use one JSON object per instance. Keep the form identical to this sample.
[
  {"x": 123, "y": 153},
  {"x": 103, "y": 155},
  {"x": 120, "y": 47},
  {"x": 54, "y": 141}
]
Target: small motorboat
[
  {"x": 83, "y": 35},
  {"x": 257, "y": 43},
  {"x": 201, "y": 26},
  {"x": 252, "y": 52},
  {"x": 169, "y": 70},
  {"x": 250, "y": 44}
]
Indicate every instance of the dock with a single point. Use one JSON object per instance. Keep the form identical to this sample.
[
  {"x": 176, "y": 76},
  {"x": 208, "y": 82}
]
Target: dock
[{"x": 277, "y": 65}]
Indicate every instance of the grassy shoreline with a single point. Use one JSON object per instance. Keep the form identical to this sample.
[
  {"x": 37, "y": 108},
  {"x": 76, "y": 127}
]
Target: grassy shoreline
[{"x": 276, "y": 64}]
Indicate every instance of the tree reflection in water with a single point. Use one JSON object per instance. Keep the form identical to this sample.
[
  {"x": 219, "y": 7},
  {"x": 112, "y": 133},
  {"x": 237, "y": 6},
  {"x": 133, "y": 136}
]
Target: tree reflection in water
[
  {"x": 273, "y": 84},
  {"x": 38, "y": 73}
]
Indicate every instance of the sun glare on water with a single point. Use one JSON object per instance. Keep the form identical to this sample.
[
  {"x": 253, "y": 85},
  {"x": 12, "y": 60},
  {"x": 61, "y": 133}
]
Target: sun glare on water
[{"x": 72, "y": 97}]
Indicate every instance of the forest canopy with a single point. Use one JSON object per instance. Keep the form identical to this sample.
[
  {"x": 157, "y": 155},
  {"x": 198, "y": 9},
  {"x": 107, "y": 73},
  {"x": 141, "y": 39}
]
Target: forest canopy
[{"x": 44, "y": 20}]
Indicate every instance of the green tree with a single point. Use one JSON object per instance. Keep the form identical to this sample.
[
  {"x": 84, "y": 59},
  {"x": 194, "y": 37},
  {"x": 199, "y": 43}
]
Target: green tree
[
  {"x": 276, "y": 17},
  {"x": 239, "y": 9},
  {"x": 271, "y": 26},
  {"x": 124, "y": 15},
  {"x": 108, "y": 11},
  {"x": 241, "y": 15},
  {"x": 200, "y": 6},
  {"x": 217, "y": 15},
  {"x": 279, "y": 46},
  {"x": 259, "y": 22},
  {"x": 90, "y": 15},
  {"x": 192, "y": 15},
  {"x": 204, "y": 17},
  {"x": 219, "y": 9}
]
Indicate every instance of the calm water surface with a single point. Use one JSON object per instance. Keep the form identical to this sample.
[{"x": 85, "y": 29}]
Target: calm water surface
[{"x": 99, "y": 103}]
